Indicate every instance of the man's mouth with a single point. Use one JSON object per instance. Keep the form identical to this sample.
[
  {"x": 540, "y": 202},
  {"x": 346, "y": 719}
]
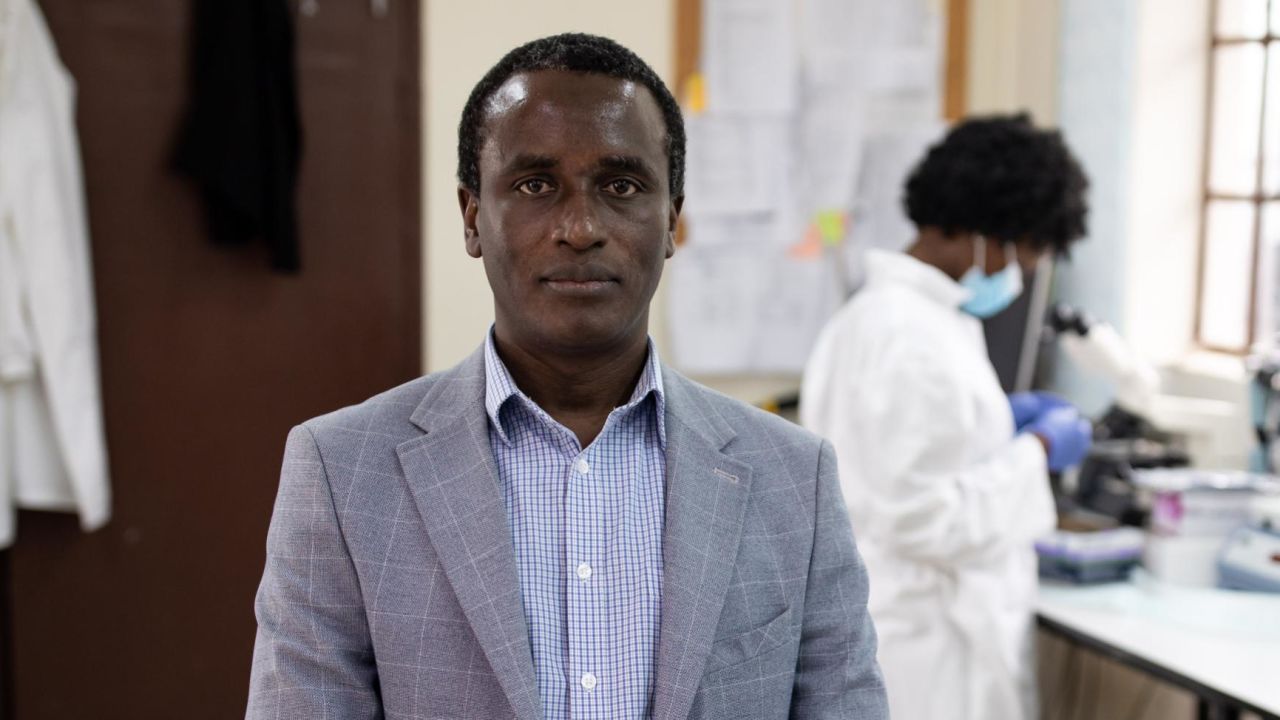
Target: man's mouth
[{"x": 580, "y": 280}]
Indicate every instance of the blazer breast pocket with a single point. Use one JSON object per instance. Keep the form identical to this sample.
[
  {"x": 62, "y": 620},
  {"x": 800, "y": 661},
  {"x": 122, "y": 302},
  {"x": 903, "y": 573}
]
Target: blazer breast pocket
[
  {"x": 731, "y": 652},
  {"x": 750, "y": 676}
]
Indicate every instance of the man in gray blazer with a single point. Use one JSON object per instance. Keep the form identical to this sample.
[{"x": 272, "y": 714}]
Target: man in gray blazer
[{"x": 561, "y": 526}]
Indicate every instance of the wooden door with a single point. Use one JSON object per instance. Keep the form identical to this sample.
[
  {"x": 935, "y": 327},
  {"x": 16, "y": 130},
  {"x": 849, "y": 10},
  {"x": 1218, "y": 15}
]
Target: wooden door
[{"x": 208, "y": 358}]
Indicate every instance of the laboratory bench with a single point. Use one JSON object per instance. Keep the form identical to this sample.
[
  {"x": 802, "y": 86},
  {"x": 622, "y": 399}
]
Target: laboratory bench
[{"x": 1221, "y": 645}]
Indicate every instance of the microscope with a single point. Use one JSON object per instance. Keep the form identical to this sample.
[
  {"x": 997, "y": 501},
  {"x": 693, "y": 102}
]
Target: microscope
[
  {"x": 1205, "y": 526},
  {"x": 1264, "y": 402},
  {"x": 1125, "y": 439}
]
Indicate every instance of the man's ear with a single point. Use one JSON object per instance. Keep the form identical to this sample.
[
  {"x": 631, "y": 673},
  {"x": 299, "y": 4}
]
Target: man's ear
[
  {"x": 469, "y": 204},
  {"x": 673, "y": 221}
]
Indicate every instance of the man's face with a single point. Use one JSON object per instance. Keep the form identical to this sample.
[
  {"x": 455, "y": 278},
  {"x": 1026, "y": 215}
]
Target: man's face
[{"x": 574, "y": 219}]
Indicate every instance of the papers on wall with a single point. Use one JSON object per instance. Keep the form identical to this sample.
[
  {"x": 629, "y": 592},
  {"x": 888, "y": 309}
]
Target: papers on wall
[
  {"x": 794, "y": 161},
  {"x": 735, "y": 164},
  {"x": 830, "y": 145},
  {"x": 733, "y": 232},
  {"x": 840, "y": 26},
  {"x": 879, "y": 219},
  {"x": 745, "y": 304},
  {"x": 713, "y": 296},
  {"x": 749, "y": 56}
]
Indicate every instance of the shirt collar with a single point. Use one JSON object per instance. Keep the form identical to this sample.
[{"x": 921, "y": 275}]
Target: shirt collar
[
  {"x": 884, "y": 266},
  {"x": 499, "y": 387}
]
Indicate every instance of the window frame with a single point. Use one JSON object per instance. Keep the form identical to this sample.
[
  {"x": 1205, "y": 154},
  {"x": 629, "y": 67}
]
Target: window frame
[{"x": 1259, "y": 199}]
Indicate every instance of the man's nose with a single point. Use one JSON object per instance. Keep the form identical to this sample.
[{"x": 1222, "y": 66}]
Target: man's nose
[{"x": 579, "y": 224}]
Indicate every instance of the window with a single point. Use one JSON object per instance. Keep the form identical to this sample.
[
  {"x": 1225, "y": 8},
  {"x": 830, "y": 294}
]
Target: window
[{"x": 1238, "y": 302}]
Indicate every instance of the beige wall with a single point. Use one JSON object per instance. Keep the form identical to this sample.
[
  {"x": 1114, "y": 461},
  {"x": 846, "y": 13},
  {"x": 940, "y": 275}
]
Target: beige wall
[
  {"x": 1013, "y": 58},
  {"x": 461, "y": 40}
]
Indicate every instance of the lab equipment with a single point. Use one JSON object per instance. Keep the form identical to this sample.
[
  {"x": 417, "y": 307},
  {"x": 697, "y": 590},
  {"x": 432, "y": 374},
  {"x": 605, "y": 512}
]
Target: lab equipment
[
  {"x": 1095, "y": 347},
  {"x": 1250, "y": 560},
  {"x": 1090, "y": 557},
  {"x": 1125, "y": 440},
  {"x": 1264, "y": 406},
  {"x": 1189, "y": 561},
  {"x": 1192, "y": 513},
  {"x": 1190, "y": 502}
]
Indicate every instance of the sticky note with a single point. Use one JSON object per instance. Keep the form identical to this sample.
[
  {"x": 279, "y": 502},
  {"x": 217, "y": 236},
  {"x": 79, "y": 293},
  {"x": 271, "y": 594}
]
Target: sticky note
[
  {"x": 831, "y": 226},
  {"x": 695, "y": 93},
  {"x": 809, "y": 248}
]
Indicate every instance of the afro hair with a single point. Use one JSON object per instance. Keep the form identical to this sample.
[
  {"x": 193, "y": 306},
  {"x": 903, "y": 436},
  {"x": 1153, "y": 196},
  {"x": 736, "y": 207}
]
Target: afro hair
[{"x": 1001, "y": 177}]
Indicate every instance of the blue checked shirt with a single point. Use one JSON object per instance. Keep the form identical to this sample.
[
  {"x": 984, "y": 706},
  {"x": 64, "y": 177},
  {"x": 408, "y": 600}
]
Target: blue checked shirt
[{"x": 587, "y": 528}]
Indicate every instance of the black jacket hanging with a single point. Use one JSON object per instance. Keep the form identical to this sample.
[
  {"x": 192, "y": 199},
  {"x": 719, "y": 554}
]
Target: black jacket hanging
[{"x": 241, "y": 140}]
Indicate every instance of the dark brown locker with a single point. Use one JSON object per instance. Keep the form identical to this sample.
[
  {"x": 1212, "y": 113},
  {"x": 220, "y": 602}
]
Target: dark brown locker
[{"x": 208, "y": 357}]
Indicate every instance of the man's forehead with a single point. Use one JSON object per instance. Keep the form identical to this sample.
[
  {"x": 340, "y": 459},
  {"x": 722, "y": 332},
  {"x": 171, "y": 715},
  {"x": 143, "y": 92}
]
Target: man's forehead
[
  {"x": 565, "y": 86},
  {"x": 513, "y": 92},
  {"x": 534, "y": 96},
  {"x": 560, "y": 114}
]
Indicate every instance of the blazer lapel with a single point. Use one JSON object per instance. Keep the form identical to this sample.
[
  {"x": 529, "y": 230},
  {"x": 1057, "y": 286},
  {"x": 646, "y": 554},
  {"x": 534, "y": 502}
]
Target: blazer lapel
[
  {"x": 707, "y": 494},
  {"x": 454, "y": 483}
]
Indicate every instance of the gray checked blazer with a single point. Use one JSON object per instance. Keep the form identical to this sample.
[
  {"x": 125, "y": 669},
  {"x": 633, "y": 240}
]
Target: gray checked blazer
[{"x": 390, "y": 588}]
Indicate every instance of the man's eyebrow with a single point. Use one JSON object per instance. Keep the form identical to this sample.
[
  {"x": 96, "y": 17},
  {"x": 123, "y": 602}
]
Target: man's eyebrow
[
  {"x": 527, "y": 161},
  {"x": 626, "y": 163}
]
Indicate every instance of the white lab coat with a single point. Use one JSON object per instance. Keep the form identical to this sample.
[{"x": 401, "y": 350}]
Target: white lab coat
[
  {"x": 52, "y": 446},
  {"x": 945, "y": 500}
]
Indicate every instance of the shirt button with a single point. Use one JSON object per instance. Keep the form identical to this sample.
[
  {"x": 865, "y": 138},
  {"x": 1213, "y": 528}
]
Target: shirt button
[
  {"x": 588, "y": 681},
  {"x": 584, "y": 571},
  {"x": 582, "y": 467}
]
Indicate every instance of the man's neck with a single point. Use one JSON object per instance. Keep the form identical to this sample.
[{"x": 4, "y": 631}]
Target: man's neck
[{"x": 578, "y": 391}]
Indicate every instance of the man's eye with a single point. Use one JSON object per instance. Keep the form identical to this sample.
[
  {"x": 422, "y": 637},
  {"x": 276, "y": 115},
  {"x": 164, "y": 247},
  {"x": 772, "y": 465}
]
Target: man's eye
[
  {"x": 622, "y": 187},
  {"x": 534, "y": 187}
]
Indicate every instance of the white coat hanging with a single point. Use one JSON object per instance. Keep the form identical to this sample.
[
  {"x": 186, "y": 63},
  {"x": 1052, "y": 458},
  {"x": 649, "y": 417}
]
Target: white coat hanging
[{"x": 52, "y": 445}]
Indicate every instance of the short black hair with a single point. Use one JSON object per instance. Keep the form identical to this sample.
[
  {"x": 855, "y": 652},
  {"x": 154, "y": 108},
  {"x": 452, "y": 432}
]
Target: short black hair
[
  {"x": 573, "y": 52},
  {"x": 1001, "y": 177}
]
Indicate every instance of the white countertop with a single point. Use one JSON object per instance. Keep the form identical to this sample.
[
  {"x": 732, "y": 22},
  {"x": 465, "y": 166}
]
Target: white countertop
[{"x": 1225, "y": 640}]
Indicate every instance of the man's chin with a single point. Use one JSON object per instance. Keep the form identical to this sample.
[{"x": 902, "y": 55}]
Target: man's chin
[{"x": 583, "y": 336}]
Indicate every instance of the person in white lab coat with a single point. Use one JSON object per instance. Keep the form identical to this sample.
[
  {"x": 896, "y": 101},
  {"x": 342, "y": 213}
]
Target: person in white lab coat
[
  {"x": 52, "y": 446},
  {"x": 946, "y": 478}
]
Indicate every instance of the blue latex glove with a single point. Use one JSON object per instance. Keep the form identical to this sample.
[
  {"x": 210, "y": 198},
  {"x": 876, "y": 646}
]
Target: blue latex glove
[
  {"x": 1028, "y": 406},
  {"x": 1067, "y": 434}
]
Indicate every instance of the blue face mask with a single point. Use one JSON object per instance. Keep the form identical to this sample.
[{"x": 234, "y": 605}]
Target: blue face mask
[{"x": 991, "y": 293}]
